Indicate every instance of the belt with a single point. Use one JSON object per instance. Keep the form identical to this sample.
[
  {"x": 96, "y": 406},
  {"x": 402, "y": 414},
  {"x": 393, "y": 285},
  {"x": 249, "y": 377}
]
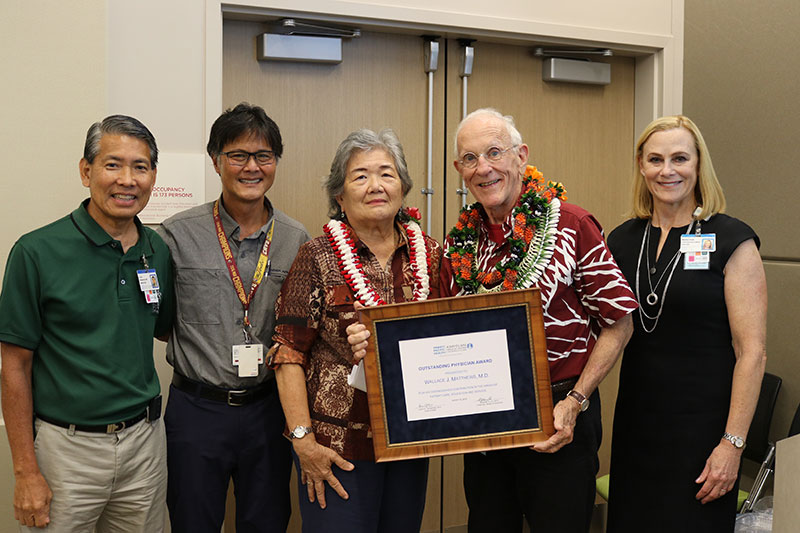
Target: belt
[
  {"x": 108, "y": 428},
  {"x": 235, "y": 398},
  {"x": 561, "y": 388}
]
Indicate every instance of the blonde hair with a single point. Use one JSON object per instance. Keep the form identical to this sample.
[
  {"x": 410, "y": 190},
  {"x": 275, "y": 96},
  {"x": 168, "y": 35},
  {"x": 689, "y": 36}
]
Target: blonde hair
[{"x": 707, "y": 192}]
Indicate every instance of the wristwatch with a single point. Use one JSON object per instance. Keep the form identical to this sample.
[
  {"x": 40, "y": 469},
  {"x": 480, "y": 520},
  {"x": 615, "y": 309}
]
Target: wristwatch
[
  {"x": 299, "y": 432},
  {"x": 580, "y": 398},
  {"x": 738, "y": 442}
]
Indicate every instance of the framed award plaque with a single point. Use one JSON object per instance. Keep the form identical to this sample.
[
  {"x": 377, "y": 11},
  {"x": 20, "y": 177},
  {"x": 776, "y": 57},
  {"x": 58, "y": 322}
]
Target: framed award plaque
[{"x": 457, "y": 375}]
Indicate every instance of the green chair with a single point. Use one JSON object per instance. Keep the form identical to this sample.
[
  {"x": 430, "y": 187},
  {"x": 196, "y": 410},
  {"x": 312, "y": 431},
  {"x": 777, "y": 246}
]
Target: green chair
[
  {"x": 601, "y": 484},
  {"x": 758, "y": 449}
]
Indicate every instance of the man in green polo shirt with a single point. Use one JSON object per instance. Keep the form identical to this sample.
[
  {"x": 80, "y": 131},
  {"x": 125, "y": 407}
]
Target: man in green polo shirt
[{"x": 82, "y": 299}]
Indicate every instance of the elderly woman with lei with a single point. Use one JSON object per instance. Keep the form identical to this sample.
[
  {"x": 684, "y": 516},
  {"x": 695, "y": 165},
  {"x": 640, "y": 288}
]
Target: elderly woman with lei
[
  {"x": 372, "y": 252},
  {"x": 691, "y": 374}
]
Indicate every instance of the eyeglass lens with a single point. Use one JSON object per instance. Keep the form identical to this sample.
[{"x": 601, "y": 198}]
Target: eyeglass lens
[
  {"x": 263, "y": 157},
  {"x": 493, "y": 154}
]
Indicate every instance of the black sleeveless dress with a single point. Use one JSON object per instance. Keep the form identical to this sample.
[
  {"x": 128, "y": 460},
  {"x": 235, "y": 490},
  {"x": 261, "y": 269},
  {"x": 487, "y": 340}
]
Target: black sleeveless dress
[{"x": 674, "y": 388}]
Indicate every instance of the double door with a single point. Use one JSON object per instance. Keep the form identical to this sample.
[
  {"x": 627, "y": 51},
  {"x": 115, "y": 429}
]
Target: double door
[{"x": 579, "y": 135}]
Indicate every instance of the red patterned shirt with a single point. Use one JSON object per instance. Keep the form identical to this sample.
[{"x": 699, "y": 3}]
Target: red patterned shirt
[
  {"x": 582, "y": 287},
  {"x": 313, "y": 311}
]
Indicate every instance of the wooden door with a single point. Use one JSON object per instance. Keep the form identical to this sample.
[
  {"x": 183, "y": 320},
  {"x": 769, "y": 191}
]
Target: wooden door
[
  {"x": 379, "y": 83},
  {"x": 580, "y": 135}
]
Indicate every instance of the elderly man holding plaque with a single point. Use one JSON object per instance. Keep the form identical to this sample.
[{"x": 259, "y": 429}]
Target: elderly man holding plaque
[
  {"x": 373, "y": 252},
  {"x": 522, "y": 234}
]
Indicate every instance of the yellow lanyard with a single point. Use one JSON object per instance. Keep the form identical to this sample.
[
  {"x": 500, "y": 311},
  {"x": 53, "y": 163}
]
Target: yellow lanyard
[{"x": 233, "y": 270}]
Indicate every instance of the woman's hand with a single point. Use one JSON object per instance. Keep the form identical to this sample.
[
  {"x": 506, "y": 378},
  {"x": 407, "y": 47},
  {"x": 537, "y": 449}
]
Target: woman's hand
[
  {"x": 357, "y": 335},
  {"x": 719, "y": 474},
  {"x": 315, "y": 468}
]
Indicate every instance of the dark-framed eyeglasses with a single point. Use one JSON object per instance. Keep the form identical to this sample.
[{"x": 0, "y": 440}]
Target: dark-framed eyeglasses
[
  {"x": 492, "y": 155},
  {"x": 239, "y": 158}
]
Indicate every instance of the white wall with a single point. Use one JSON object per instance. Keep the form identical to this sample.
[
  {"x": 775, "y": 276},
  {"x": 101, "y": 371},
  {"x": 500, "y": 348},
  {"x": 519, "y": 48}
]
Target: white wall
[{"x": 54, "y": 87}]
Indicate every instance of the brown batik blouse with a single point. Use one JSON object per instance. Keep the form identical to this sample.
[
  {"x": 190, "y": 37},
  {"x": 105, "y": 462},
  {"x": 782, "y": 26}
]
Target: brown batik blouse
[{"x": 313, "y": 311}]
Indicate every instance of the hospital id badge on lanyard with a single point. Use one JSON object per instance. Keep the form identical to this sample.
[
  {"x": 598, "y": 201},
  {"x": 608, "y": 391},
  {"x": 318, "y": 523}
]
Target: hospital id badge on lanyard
[
  {"x": 245, "y": 356},
  {"x": 697, "y": 249},
  {"x": 148, "y": 284}
]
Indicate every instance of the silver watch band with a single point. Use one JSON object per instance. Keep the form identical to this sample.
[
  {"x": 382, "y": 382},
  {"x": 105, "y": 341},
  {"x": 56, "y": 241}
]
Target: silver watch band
[{"x": 737, "y": 441}]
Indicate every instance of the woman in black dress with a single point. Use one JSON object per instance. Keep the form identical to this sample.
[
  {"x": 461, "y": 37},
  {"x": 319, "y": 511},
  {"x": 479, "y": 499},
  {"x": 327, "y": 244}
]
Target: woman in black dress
[{"x": 691, "y": 374}]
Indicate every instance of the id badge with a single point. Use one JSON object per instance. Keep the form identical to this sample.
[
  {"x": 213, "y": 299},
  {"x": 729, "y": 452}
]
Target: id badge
[
  {"x": 148, "y": 284},
  {"x": 148, "y": 279},
  {"x": 697, "y": 261},
  {"x": 247, "y": 357},
  {"x": 705, "y": 242}
]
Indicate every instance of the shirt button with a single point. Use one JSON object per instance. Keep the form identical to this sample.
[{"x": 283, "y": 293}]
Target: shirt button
[
  {"x": 113, "y": 245},
  {"x": 122, "y": 282}
]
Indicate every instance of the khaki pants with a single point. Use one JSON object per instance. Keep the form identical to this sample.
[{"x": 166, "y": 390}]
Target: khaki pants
[{"x": 112, "y": 482}]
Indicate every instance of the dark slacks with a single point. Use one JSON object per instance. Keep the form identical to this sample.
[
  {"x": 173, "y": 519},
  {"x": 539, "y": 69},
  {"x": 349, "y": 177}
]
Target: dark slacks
[
  {"x": 554, "y": 492},
  {"x": 208, "y": 444},
  {"x": 384, "y": 498}
]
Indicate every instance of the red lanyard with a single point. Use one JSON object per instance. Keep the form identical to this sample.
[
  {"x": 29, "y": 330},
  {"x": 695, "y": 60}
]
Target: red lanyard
[{"x": 233, "y": 270}]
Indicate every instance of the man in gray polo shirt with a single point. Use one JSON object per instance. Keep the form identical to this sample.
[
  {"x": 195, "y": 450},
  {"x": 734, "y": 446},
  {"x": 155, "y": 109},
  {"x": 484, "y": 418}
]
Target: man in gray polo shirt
[{"x": 223, "y": 418}]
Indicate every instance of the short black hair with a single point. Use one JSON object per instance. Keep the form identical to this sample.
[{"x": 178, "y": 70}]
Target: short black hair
[
  {"x": 242, "y": 120},
  {"x": 118, "y": 125}
]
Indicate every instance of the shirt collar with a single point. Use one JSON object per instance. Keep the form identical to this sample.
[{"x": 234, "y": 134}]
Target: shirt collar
[
  {"x": 231, "y": 227},
  {"x": 97, "y": 235}
]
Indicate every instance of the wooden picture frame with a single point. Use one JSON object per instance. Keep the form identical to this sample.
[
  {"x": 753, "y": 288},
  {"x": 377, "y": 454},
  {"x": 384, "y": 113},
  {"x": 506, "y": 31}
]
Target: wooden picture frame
[{"x": 434, "y": 330}]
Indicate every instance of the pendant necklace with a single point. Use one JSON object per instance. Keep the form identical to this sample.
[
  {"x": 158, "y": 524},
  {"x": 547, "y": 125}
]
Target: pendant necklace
[{"x": 652, "y": 298}]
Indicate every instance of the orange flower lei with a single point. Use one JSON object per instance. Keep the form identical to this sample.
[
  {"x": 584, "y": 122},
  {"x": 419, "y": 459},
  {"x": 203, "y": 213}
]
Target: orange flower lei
[{"x": 533, "y": 205}]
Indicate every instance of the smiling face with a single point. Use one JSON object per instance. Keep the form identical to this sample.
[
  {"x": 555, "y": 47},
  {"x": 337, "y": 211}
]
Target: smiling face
[
  {"x": 120, "y": 180},
  {"x": 248, "y": 183},
  {"x": 669, "y": 163},
  {"x": 373, "y": 192},
  {"x": 495, "y": 184}
]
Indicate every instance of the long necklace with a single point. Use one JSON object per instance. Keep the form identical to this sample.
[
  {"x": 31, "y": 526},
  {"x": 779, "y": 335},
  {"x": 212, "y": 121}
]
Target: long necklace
[
  {"x": 341, "y": 240},
  {"x": 642, "y": 313},
  {"x": 531, "y": 244},
  {"x": 652, "y": 298}
]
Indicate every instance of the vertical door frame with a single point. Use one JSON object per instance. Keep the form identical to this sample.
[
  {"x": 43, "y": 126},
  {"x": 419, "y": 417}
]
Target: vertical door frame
[{"x": 659, "y": 56}]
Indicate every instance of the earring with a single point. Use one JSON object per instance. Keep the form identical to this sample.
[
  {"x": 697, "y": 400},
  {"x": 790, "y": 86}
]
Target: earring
[{"x": 342, "y": 216}]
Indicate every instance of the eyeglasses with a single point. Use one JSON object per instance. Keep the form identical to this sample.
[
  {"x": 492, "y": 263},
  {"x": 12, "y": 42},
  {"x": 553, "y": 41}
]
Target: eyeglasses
[
  {"x": 239, "y": 158},
  {"x": 493, "y": 155}
]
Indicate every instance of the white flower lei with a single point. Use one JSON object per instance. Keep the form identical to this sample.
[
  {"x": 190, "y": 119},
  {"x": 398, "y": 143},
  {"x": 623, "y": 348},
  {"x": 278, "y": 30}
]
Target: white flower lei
[
  {"x": 343, "y": 245},
  {"x": 538, "y": 254}
]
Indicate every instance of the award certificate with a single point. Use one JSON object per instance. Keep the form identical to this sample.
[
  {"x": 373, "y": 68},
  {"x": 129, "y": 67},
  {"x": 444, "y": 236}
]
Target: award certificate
[{"x": 455, "y": 375}]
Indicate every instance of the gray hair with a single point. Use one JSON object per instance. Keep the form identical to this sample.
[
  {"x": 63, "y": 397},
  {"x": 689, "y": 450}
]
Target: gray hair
[
  {"x": 118, "y": 125},
  {"x": 508, "y": 121},
  {"x": 363, "y": 140}
]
